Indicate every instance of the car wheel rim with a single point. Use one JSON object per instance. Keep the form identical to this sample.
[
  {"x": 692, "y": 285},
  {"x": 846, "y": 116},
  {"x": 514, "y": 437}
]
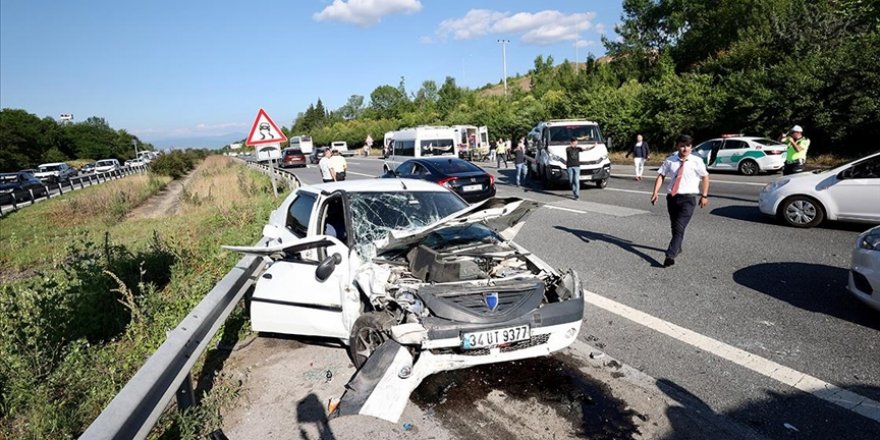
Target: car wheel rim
[
  {"x": 749, "y": 168},
  {"x": 368, "y": 340},
  {"x": 800, "y": 212}
]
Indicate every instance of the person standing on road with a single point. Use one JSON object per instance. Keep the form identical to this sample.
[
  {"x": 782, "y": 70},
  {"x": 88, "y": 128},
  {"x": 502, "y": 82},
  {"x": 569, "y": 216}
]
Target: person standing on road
[
  {"x": 796, "y": 155},
  {"x": 519, "y": 161},
  {"x": 492, "y": 147},
  {"x": 368, "y": 145},
  {"x": 639, "y": 152},
  {"x": 340, "y": 165},
  {"x": 682, "y": 191},
  {"x": 573, "y": 164},
  {"x": 328, "y": 174},
  {"x": 501, "y": 153}
]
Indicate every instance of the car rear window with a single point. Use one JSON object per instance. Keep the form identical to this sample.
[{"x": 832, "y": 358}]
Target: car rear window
[
  {"x": 454, "y": 166},
  {"x": 293, "y": 151},
  {"x": 51, "y": 168},
  {"x": 105, "y": 163}
]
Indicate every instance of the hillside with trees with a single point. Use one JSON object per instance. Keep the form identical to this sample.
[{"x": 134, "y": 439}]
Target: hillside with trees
[{"x": 705, "y": 68}]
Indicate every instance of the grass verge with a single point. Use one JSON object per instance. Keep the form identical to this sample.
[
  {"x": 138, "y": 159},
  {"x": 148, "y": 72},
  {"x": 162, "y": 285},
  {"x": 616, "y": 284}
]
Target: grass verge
[{"x": 77, "y": 327}]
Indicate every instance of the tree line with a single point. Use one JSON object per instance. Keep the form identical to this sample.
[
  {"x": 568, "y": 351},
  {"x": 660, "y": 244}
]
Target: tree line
[
  {"x": 755, "y": 67},
  {"x": 27, "y": 141}
]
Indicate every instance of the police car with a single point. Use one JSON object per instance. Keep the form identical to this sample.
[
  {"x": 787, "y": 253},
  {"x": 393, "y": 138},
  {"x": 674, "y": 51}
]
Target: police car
[{"x": 747, "y": 154}]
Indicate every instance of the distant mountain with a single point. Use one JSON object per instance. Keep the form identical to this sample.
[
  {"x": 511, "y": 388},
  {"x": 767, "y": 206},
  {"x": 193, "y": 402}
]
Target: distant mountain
[{"x": 212, "y": 141}]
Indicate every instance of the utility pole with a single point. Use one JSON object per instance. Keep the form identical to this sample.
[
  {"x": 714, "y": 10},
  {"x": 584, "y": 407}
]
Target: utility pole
[
  {"x": 504, "y": 44},
  {"x": 135, "y": 143}
]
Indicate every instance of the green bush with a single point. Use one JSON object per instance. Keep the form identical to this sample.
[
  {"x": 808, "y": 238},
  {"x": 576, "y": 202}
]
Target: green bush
[{"x": 174, "y": 164}]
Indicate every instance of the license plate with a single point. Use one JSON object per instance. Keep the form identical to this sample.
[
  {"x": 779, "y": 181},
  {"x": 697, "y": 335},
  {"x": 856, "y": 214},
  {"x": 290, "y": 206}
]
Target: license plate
[
  {"x": 472, "y": 187},
  {"x": 491, "y": 338}
]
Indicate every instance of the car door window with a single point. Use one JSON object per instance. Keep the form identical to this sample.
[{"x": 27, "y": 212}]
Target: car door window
[
  {"x": 869, "y": 169},
  {"x": 734, "y": 145},
  {"x": 405, "y": 169},
  {"x": 419, "y": 170},
  {"x": 299, "y": 214}
]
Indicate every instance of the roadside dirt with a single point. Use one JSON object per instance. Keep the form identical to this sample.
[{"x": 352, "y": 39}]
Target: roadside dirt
[
  {"x": 163, "y": 204},
  {"x": 288, "y": 383}
]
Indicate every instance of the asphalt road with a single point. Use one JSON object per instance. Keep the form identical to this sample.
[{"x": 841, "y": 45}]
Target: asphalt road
[{"x": 753, "y": 325}]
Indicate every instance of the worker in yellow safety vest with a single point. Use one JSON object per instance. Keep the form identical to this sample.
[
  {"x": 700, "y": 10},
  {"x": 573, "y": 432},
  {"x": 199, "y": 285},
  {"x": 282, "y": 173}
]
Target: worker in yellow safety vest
[{"x": 796, "y": 155}]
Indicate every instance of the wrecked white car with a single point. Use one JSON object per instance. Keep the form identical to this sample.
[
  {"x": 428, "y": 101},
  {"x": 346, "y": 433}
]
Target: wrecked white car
[{"x": 413, "y": 280}]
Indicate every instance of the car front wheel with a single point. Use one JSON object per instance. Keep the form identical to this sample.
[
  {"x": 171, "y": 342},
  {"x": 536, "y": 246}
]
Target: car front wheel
[
  {"x": 801, "y": 212},
  {"x": 602, "y": 183},
  {"x": 369, "y": 331}
]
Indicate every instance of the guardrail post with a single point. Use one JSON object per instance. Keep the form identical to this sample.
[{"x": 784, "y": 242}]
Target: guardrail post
[
  {"x": 185, "y": 395},
  {"x": 60, "y": 189},
  {"x": 81, "y": 186},
  {"x": 34, "y": 199},
  {"x": 14, "y": 201}
]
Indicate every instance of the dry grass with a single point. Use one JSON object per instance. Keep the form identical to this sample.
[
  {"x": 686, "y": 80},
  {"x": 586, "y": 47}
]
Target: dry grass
[
  {"x": 220, "y": 182},
  {"x": 110, "y": 201}
]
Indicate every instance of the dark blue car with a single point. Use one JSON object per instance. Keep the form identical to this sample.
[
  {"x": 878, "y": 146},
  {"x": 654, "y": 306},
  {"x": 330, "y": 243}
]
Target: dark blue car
[{"x": 469, "y": 181}]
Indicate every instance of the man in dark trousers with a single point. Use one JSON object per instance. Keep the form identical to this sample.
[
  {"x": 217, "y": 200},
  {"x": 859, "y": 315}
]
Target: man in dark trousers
[
  {"x": 690, "y": 180},
  {"x": 573, "y": 163}
]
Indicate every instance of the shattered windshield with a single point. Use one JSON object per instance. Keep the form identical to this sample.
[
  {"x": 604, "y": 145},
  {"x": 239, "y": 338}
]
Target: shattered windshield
[
  {"x": 374, "y": 214},
  {"x": 458, "y": 235}
]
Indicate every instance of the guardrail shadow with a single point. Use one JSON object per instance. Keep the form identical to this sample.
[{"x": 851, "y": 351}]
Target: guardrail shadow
[
  {"x": 629, "y": 246},
  {"x": 814, "y": 287}
]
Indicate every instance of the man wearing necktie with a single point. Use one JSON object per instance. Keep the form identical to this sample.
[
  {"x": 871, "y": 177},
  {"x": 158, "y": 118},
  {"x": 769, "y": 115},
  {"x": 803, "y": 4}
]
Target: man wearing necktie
[{"x": 690, "y": 180}]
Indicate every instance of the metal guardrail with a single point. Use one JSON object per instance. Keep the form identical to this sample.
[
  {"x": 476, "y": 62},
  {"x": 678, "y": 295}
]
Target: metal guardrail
[
  {"x": 137, "y": 407},
  {"x": 167, "y": 373},
  {"x": 29, "y": 198}
]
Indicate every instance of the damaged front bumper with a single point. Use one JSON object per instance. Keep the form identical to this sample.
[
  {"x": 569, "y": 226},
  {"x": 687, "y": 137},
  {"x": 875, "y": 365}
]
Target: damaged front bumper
[{"x": 381, "y": 388}]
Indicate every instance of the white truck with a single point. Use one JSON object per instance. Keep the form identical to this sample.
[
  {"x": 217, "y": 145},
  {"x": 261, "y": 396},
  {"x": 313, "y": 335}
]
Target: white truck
[{"x": 342, "y": 148}]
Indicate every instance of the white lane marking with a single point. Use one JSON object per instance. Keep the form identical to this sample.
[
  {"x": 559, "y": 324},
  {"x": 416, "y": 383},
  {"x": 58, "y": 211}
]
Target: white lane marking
[
  {"x": 360, "y": 174},
  {"x": 817, "y": 387},
  {"x": 731, "y": 182},
  {"x": 565, "y": 209}
]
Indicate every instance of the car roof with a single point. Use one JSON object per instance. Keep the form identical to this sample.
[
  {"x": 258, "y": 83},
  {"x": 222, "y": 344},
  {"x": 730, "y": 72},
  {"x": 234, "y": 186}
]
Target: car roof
[{"x": 738, "y": 138}]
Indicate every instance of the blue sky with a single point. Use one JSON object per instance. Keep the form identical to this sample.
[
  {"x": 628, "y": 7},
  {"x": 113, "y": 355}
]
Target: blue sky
[{"x": 171, "y": 70}]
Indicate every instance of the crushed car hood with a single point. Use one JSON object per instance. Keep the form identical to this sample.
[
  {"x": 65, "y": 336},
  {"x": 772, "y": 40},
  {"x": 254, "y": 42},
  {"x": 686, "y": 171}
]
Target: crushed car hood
[{"x": 503, "y": 215}]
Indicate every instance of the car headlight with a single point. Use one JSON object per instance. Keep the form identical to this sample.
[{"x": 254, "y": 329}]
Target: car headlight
[
  {"x": 773, "y": 186},
  {"x": 556, "y": 158},
  {"x": 870, "y": 241}
]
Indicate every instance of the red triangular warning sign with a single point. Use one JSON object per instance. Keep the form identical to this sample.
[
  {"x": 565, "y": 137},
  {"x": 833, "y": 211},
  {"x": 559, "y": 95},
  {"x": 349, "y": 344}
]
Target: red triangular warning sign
[{"x": 265, "y": 131}]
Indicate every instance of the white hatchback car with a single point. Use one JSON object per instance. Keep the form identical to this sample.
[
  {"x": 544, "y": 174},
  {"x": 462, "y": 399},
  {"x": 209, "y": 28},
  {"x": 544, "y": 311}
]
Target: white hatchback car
[
  {"x": 864, "y": 274},
  {"x": 849, "y": 193},
  {"x": 747, "y": 154},
  {"x": 413, "y": 280}
]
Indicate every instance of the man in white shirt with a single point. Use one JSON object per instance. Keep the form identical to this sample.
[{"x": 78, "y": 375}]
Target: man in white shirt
[
  {"x": 328, "y": 174},
  {"x": 340, "y": 165},
  {"x": 688, "y": 176}
]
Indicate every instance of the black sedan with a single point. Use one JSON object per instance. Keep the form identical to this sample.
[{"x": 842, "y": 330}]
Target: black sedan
[
  {"x": 469, "y": 181},
  {"x": 18, "y": 186}
]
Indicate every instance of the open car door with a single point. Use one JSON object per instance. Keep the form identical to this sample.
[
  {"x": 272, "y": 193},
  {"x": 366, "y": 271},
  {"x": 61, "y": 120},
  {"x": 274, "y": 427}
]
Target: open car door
[{"x": 302, "y": 291}]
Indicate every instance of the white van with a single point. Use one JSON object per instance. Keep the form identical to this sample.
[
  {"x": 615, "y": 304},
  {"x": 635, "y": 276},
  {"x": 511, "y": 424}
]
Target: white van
[
  {"x": 342, "y": 148},
  {"x": 422, "y": 141},
  {"x": 302, "y": 143},
  {"x": 105, "y": 165},
  {"x": 546, "y": 151},
  {"x": 471, "y": 140}
]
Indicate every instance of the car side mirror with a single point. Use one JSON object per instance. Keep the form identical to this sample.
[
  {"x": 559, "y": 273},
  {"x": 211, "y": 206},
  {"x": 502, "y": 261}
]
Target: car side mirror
[
  {"x": 845, "y": 174},
  {"x": 327, "y": 266}
]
